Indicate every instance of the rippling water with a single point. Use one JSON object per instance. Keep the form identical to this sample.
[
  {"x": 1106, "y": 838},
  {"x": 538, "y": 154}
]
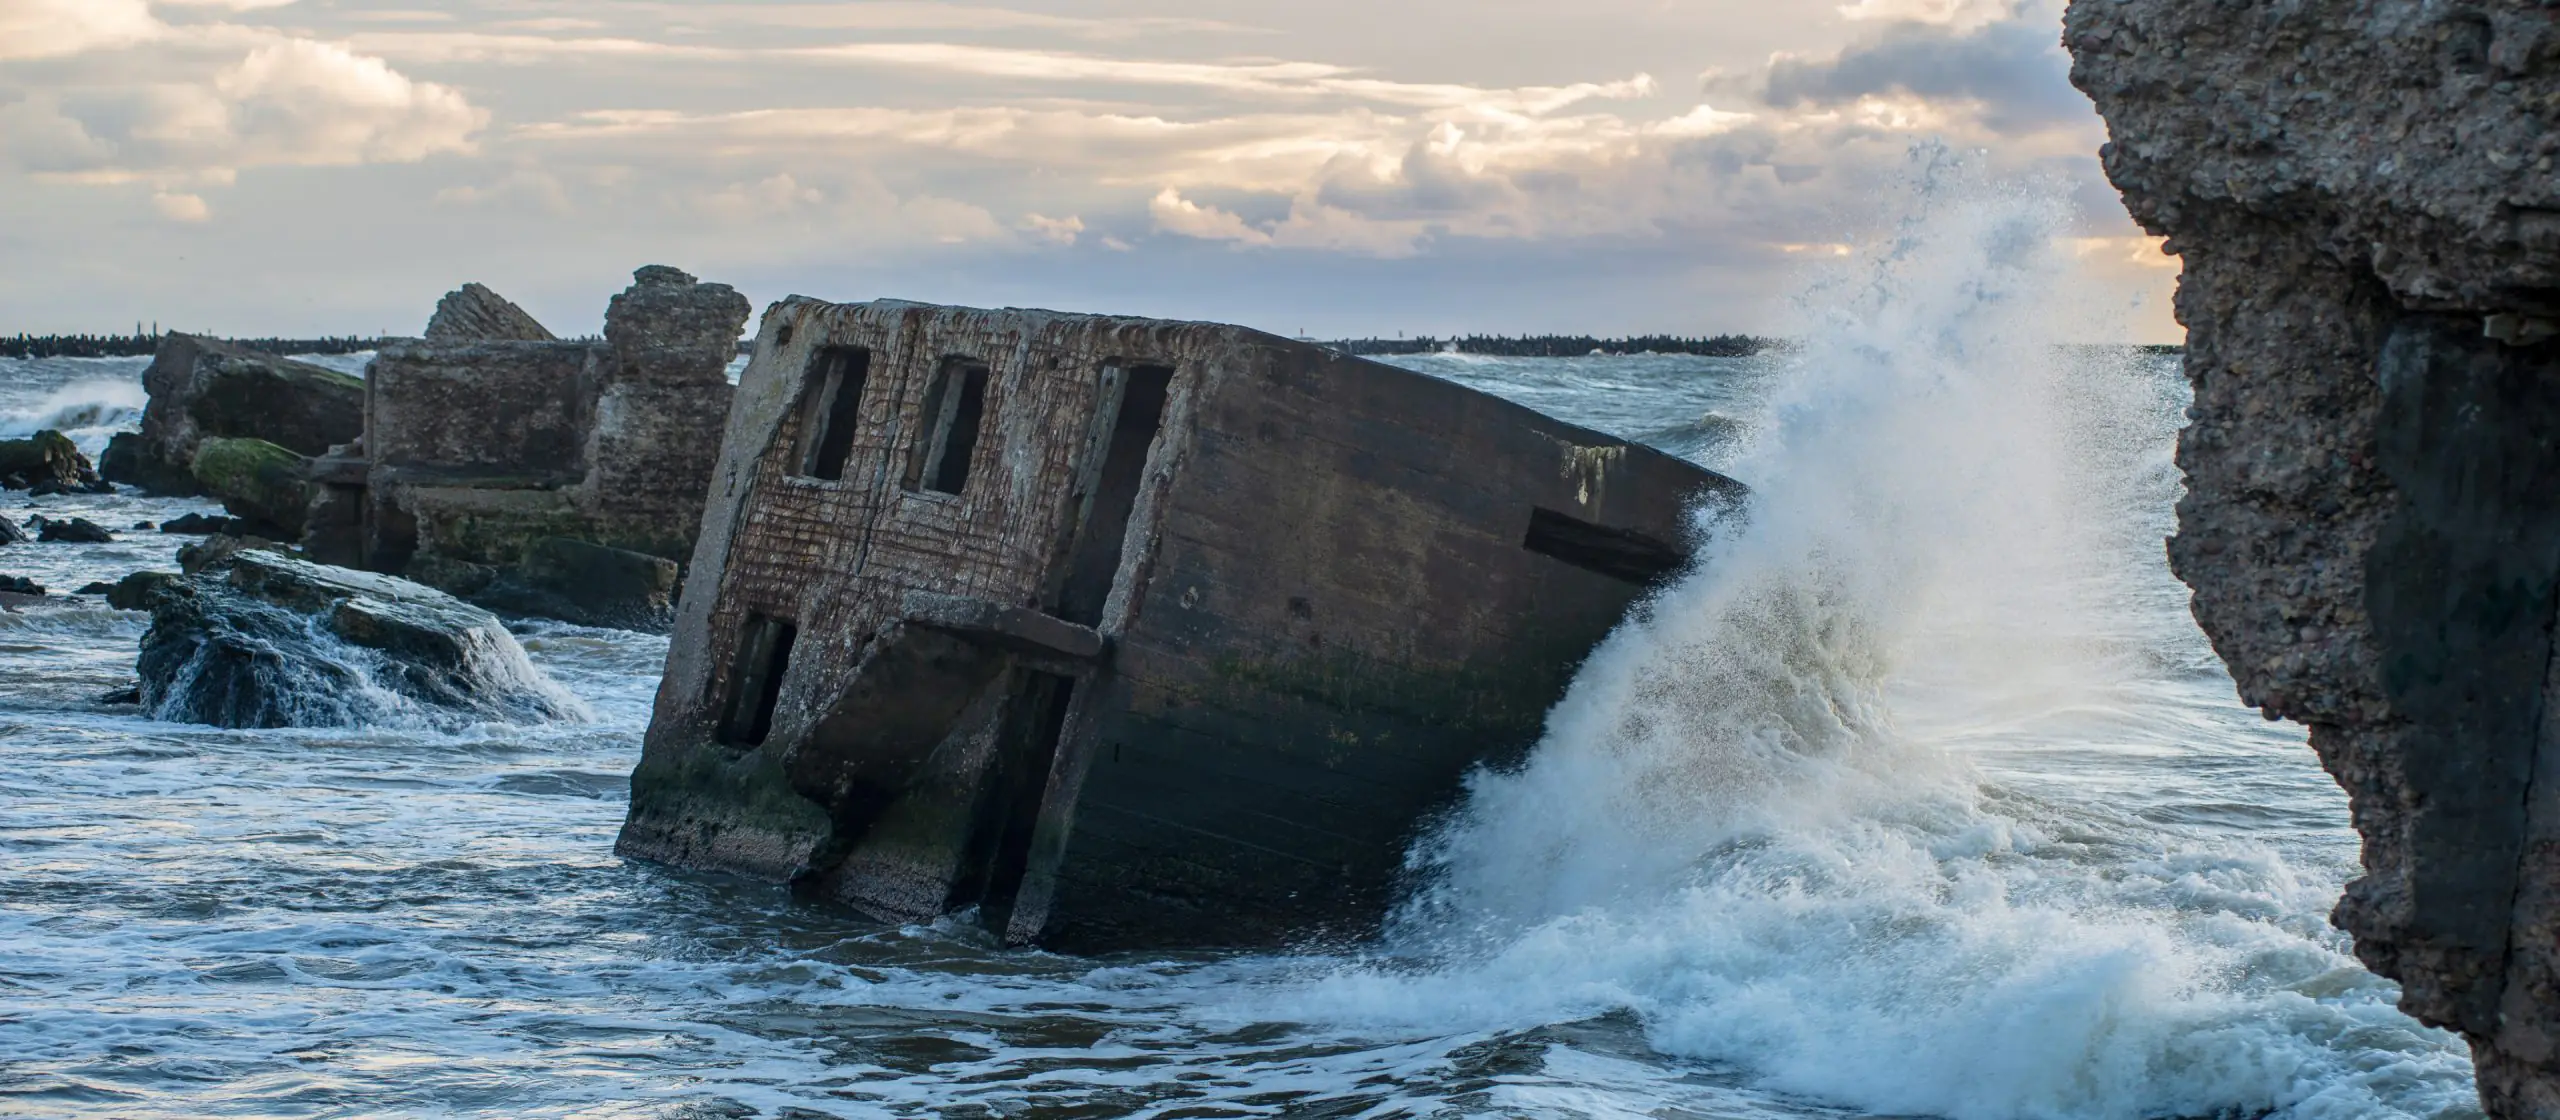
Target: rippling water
[{"x": 1926, "y": 799}]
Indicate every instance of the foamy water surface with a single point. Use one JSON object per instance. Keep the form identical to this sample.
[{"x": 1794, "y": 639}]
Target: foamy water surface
[{"x": 1924, "y": 798}]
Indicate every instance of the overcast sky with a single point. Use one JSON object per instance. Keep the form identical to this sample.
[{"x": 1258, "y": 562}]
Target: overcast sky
[{"x": 1329, "y": 166}]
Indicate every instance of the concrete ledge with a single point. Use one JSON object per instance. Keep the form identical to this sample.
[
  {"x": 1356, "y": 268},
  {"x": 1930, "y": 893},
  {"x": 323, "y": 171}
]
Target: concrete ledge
[{"x": 1011, "y": 628}]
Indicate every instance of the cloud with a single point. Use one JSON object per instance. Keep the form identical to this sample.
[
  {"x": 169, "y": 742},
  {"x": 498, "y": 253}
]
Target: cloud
[
  {"x": 285, "y": 101},
  {"x": 55, "y": 28},
  {"x": 2014, "y": 70},
  {"x": 1055, "y": 231},
  {"x": 1961, "y": 14},
  {"x": 233, "y": 5},
  {"x": 1178, "y": 215},
  {"x": 181, "y": 207}
]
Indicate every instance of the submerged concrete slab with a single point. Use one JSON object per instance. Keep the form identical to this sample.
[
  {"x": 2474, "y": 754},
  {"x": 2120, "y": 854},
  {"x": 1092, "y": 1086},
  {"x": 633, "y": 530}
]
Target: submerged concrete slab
[{"x": 1120, "y": 632}]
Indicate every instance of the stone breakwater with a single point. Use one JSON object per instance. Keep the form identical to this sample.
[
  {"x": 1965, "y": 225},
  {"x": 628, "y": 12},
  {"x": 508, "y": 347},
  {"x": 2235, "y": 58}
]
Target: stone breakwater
[{"x": 2363, "y": 195}]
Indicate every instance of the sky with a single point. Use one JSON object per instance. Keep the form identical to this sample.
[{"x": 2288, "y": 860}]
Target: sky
[{"x": 1330, "y": 167}]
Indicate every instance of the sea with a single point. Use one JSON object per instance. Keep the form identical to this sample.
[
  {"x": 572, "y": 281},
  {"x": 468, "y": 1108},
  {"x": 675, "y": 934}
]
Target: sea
[{"x": 1921, "y": 796}]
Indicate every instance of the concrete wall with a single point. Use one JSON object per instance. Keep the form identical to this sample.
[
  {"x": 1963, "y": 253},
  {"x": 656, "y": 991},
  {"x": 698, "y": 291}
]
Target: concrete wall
[{"x": 1323, "y": 615}]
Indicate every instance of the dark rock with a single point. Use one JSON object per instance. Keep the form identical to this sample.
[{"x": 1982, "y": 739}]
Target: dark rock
[
  {"x": 130, "y": 460},
  {"x": 258, "y": 481},
  {"x": 474, "y": 313},
  {"x": 20, "y": 585},
  {"x": 134, "y": 592},
  {"x": 144, "y": 526},
  {"x": 588, "y": 584},
  {"x": 47, "y": 461},
  {"x": 203, "y": 389},
  {"x": 121, "y": 697},
  {"x": 78, "y": 530},
  {"x": 270, "y": 641},
  {"x": 2361, "y": 197},
  {"x": 95, "y": 587},
  {"x": 10, "y": 533},
  {"x": 197, "y": 524},
  {"x": 217, "y": 551}
]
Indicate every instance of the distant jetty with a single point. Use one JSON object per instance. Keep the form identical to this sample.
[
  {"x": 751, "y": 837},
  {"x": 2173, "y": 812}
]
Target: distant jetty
[
  {"x": 1559, "y": 345},
  {"x": 142, "y": 345}
]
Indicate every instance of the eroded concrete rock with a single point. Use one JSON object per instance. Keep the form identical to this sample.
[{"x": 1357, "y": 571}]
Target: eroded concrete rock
[
  {"x": 478, "y": 451},
  {"x": 203, "y": 389},
  {"x": 473, "y": 312},
  {"x": 2363, "y": 195},
  {"x": 47, "y": 460},
  {"x": 258, "y": 482},
  {"x": 263, "y": 640}
]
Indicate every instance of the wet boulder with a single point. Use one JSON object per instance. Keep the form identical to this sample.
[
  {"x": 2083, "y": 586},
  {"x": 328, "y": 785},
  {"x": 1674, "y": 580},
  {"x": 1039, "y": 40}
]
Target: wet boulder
[
  {"x": 202, "y": 389},
  {"x": 588, "y": 584},
  {"x": 21, "y": 585},
  {"x": 47, "y": 460},
  {"x": 10, "y": 533},
  {"x": 133, "y": 592},
  {"x": 77, "y": 530},
  {"x": 199, "y": 525},
  {"x": 263, "y": 640},
  {"x": 260, "y": 482}
]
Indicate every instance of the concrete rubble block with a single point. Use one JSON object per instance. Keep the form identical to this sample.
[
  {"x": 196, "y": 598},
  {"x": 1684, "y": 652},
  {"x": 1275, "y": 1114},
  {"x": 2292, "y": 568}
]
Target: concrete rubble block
[
  {"x": 2363, "y": 197},
  {"x": 1122, "y": 633},
  {"x": 263, "y": 640},
  {"x": 585, "y": 583},
  {"x": 47, "y": 460},
  {"x": 479, "y": 450},
  {"x": 201, "y": 389},
  {"x": 258, "y": 482},
  {"x": 473, "y": 313},
  {"x": 669, "y": 326}
]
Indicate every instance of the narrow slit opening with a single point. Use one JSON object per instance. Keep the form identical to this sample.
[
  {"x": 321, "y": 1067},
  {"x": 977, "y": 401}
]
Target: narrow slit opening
[
  {"x": 755, "y": 680},
  {"x": 955, "y": 406},
  {"x": 831, "y": 411},
  {"x": 1620, "y": 554},
  {"x": 1094, "y": 564}
]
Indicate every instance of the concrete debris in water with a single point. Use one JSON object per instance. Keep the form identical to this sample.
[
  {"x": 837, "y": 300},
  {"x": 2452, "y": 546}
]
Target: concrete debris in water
[
  {"x": 47, "y": 463},
  {"x": 478, "y": 449},
  {"x": 264, "y": 640},
  {"x": 2365, "y": 200},
  {"x": 1119, "y": 632},
  {"x": 202, "y": 389},
  {"x": 473, "y": 312}
]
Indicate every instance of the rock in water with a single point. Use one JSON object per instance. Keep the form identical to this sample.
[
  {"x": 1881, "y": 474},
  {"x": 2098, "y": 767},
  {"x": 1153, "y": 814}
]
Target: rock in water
[
  {"x": 201, "y": 389},
  {"x": 47, "y": 459},
  {"x": 2363, "y": 197},
  {"x": 474, "y": 313},
  {"x": 78, "y": 530},
  {"x": 270, "y": 641},
  {"x": 21, "y": 585},
  {"x": 257, "y": 481},
  {"x": 588, "y": 584},
  {"x": 10, "y": 533}
]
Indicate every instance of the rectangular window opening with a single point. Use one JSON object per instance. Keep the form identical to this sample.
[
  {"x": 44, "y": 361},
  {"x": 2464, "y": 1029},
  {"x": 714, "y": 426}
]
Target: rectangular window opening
[
  {"x": 831, "y": 410},
  {"x": 1093, "y": 565},
  {"x": 755, "y": 679},
  {"x": 1620, "y": 554},
  {"x": 954, "y": 406}
]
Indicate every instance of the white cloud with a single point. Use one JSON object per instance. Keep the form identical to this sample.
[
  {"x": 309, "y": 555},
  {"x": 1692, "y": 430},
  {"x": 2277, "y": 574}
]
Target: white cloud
[
  {"x": 1055, "y": 231},
  {"x": 56, "y": 28},
  {"x": 181, "y": 207},
  {"x": 233, "y": 5},
  {"x": 1178, "y": 215},
  {"x": 285, "y": 101},
  {"x": 1960, "y": 14}
]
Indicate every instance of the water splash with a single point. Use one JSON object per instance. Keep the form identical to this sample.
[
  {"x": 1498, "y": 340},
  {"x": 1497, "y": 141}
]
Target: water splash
[{"x": 1756, "y": 819}]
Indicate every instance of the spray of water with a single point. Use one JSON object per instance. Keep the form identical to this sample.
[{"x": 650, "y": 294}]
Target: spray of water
[{"x": 1753, "y": 820}]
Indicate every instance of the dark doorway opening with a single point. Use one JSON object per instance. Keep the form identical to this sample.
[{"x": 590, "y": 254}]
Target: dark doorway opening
[
  {"x": 755, "y": 679},
  {"x": 1093, "y": 563},
  {"x": 1008, "y": 811},
  {"x": 954, "y": 406},
  {"x": 831, "y": 410}
]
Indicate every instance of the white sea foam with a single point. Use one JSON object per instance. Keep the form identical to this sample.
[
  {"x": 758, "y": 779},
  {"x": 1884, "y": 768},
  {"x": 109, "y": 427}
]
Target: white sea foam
[{"x": 1757, "y": 819}]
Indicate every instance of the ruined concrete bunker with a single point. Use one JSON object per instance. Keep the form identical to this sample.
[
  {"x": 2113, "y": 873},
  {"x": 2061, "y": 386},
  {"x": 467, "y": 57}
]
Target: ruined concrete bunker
[{"x": 1117, "y": 632}]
